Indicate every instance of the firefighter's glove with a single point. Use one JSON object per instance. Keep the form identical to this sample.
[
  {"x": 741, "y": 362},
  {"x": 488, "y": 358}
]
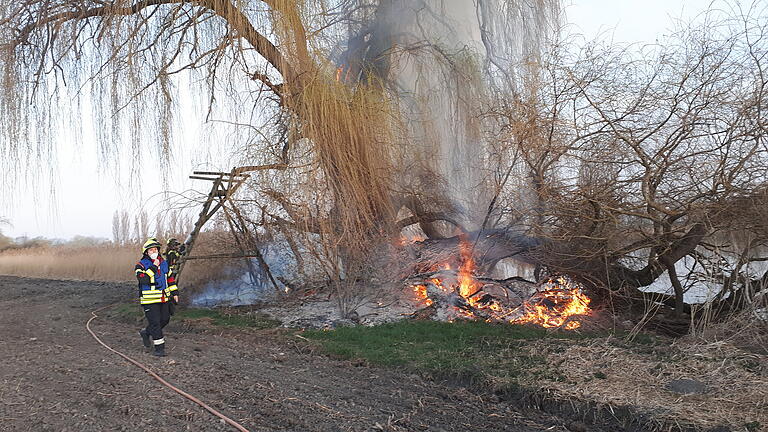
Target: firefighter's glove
[{"x": 182, "y": 249}]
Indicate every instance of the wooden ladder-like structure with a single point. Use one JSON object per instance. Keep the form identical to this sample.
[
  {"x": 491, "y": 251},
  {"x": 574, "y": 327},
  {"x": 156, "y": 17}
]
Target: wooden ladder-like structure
[
  {"x": 222, "y": 190},
  {"x": 224, "y": 186}
]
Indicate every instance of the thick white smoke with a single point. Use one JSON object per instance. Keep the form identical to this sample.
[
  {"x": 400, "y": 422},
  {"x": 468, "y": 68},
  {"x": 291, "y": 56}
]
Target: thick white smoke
[{"x": 443, "y": 59}]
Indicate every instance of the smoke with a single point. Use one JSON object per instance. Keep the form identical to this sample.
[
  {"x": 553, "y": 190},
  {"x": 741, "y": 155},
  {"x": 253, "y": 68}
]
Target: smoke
[
  {"x": 250, "y": 284},
  {"x": 443, "y": 60}
]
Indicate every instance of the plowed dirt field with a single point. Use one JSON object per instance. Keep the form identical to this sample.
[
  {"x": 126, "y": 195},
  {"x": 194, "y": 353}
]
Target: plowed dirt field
[{"x": 55, "y": 377}]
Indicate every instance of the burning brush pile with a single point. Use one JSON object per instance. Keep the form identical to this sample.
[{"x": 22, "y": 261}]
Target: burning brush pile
[
  {"x": 448, "y": 294},
  {"x": 447, "y": 286}
]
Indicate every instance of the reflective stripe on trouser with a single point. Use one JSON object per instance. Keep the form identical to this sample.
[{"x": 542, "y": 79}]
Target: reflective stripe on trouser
[{"x": 158, "y": 315}]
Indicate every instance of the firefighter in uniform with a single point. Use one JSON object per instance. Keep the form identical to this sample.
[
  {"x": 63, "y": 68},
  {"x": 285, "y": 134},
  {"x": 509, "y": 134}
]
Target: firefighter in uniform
[
  {"x": 157, "y": 294},
  {"x": 173, "y": 252}
]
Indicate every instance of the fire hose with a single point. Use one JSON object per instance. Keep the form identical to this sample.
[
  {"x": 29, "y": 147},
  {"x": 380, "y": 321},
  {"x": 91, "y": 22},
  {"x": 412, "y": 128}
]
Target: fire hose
[{"x": 224, "y": 418}]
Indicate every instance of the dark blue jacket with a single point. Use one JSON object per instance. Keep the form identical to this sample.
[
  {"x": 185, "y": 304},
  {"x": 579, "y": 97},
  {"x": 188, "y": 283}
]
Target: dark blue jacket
[{"x": 153, "y": 281}]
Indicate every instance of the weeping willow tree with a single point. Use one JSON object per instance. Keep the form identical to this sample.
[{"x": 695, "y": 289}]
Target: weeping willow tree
[{"x": 352, "y": 112}]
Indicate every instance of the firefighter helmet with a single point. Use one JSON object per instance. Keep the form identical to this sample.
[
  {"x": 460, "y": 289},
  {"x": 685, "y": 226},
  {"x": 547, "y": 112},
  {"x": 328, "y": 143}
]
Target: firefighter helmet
[
  {"x": 150, "y": 243},
  {"x": 172, "y": 242}
]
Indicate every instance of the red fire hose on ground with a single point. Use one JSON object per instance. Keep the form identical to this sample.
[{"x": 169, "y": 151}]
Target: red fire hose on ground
[{"x": 226, "y": 419}]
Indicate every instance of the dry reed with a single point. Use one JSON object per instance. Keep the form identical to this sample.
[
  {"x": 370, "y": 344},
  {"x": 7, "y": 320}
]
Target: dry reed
[
  {"x": 105, "y": 263},
  {"x": 111, "y": 263},
  {"x": 618, "y": 374}
]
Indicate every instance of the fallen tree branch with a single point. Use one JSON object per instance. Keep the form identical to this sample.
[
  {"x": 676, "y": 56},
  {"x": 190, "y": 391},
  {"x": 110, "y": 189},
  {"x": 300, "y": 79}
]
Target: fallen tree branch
[{"x": 428, "y": 217}]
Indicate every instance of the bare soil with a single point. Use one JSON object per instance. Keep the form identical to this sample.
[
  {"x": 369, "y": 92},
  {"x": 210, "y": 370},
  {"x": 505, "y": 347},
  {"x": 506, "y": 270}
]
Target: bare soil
[{"x": 55, "y": 377}]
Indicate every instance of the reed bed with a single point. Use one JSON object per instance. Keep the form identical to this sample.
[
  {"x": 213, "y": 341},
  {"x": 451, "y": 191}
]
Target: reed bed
[
  {"x": 111, "y": 263},
  {"x": 614, "y": 373},
  {"x": 103, "y": 263}
]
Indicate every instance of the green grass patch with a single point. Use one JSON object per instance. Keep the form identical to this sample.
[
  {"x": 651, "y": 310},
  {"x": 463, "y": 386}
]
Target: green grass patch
[
  {"x": 126, "y": 312},
  {"x": 225, "y": 318},
  {"x": 216, "y": 317},
  {"x": 476, "y": 351}
]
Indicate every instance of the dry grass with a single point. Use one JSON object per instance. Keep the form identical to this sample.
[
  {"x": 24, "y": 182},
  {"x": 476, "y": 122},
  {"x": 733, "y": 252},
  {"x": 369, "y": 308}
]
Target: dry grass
[
  {"x": 110, "y": 263},
  {"x": 200, "y": 272},
  {"x": 743, "y": 330},
  {"x": 616, "y": 373},
  {"x": 116, "y": 263},
  {"x": 105, "y": 263}
]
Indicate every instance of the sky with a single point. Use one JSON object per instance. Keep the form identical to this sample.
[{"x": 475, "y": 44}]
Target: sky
[
  {"x": 629, "y": 21},
  {"x": 84, "y": 193},
  {"x": 86, "y": 196}
]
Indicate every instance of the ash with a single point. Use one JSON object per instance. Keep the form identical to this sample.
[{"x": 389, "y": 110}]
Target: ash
[{"x": 319, "y": 312}]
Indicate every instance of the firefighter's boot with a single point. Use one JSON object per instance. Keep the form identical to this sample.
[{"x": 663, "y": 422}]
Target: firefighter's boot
[
  {"x": 159, "y": 350},
  {"x": 145, "y": 339}
]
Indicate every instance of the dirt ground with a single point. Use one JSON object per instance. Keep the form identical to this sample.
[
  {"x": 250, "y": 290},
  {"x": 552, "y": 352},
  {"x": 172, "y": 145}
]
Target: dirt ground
[{"x": 55, "y": 377}]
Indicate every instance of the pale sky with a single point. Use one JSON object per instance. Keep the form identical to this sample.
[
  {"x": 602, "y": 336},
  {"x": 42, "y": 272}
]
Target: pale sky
[{"x": 86, "y": 200}]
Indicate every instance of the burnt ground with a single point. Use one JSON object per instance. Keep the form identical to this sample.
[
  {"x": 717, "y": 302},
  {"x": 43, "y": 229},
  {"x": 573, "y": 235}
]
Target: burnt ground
[{"x": 55, "y": 377}]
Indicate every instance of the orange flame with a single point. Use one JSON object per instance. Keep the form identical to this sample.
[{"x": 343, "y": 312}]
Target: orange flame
[
  {"x": 410, "y": 239},
  {"x": 466, "y": 281},
  {"x": 554, "y": 306},
  {"x": 340, "y": 75},
  {"x": 421, "y": 295}
]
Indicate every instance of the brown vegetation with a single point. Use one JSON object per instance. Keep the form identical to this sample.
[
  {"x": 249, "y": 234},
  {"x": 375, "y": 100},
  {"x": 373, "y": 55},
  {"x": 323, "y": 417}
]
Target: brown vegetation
[
  {"x": 616, "y": 373},
  {"x": 106, "y": 261},
  {"x": 640, "y": 159},
  {"x": 620, "y": 162},
  {"x": 101, "y": 263},
  {"x": 331, "y": 141}
]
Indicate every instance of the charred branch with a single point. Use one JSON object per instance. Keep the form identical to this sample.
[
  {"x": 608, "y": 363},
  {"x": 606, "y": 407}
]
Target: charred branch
[
  {"x": 490, "y": 247},
  {"x": 423, "y": 218}
]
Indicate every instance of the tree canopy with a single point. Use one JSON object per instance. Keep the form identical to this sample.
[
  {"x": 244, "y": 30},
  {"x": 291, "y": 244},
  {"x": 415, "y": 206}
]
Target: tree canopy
[{"x": 359, "y": 117}]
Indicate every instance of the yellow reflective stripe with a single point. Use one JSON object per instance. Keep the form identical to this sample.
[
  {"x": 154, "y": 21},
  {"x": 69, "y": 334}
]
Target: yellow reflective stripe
[
  {"x": 173, "y": 288},
  {"x": 139, "y": 271},
  {"x": 151, "y": 275},
  {"x": 151, "y": 291},
  {"x": 150, "y": 301}
]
